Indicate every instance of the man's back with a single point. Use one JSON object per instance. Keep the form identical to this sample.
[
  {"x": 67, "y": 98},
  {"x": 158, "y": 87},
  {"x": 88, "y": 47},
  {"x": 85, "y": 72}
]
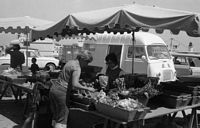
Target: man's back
[{"x": 16, "y": 57}]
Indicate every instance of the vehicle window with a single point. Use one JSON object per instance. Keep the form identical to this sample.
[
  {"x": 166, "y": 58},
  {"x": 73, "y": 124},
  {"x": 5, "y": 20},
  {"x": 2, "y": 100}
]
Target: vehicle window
[
  {"x": 32, "y": 54},
  {"x": 36, "y": 53},
  {"x": 180, "y": 60},
  {"x": 139, "y": 52},
  {"x": 158, "y": 52},
  {"x": 196, "y": 62}
]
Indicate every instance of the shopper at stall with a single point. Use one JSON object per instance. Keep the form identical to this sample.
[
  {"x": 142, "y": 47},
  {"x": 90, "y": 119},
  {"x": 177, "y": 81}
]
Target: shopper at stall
[
  {"x": 16, "y": 57},
  {"x": 61, "y": 88},
  {"x": 113, "y": 70}
]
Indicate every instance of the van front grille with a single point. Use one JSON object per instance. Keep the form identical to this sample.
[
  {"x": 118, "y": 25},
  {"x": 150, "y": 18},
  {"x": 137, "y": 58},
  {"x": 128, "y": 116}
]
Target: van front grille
[{"x": 167, "y": 75}]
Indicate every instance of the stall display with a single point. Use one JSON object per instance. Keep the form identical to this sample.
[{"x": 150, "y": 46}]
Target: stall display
[
  {"x": 122, "y": 109},
  {"x": 128, "y": 101}
]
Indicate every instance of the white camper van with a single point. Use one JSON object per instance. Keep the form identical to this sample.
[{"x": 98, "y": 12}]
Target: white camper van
[{"x": 152, "y": 57}]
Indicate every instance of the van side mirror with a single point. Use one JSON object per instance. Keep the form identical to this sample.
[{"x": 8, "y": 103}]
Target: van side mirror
[{"x": 144, "y": 58}]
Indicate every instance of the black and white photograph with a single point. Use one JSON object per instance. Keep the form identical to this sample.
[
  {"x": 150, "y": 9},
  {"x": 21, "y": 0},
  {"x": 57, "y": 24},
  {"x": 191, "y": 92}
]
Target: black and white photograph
[{"x": 99, "y": 64}]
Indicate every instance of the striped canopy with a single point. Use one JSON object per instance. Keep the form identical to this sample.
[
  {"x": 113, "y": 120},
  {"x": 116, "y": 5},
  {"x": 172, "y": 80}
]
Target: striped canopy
[{"x": 121, "y": 19}]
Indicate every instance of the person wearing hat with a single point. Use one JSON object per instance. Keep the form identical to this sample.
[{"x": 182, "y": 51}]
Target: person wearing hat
[
  {"x": 61, "y": 88},
  {"x": 16, "y": 57}
]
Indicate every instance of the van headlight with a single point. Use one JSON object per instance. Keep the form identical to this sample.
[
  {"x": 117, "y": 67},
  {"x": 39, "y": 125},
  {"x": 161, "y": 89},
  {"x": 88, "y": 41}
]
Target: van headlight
[{"x": 158, "y": 75}]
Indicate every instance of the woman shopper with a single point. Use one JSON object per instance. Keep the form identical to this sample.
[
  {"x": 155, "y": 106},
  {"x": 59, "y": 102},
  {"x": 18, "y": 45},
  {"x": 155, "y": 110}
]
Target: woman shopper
[{"x": 61, "y": 88}]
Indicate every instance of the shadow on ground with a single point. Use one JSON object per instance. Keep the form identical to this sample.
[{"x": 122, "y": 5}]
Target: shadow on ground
[{"x": 12, "y": 111}]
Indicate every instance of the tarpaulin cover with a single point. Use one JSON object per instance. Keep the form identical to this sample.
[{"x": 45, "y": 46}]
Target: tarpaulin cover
[
  {"x": 123, "y": 19},
  {"x": 21, "y": 24}
]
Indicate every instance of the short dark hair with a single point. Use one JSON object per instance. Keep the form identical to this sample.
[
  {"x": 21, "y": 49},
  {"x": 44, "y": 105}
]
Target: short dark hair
[
  {"x": 112, "y": 57},
  {"x": 34, "y": 59}
]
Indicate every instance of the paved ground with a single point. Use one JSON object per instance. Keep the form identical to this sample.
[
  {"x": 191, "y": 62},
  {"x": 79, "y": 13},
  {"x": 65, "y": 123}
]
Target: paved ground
[{"x": 11, "y": 113}]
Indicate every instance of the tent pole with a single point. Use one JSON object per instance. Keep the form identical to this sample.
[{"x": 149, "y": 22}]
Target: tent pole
[
  {"x": 133, "y": 52},
  {"x": 27, "y": 51},
  {"x": 29, "y": 38}
]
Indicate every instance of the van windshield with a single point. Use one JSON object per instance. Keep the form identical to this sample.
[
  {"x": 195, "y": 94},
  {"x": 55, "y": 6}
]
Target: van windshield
[
  {"x": 34, "y": 53},
  {"x": 158, "y": 52}
]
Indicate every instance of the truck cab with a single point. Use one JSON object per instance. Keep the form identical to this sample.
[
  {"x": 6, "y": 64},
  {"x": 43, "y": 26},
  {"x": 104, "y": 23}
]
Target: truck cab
[{"x": 151, "y": 56}]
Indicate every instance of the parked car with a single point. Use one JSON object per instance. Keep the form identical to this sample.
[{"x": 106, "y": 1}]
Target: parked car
[
  {"x": 52, "y": 62},
  {"x": 186, "y": 63}
]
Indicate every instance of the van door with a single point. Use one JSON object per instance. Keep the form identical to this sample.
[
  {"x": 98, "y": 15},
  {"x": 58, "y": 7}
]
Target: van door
[
  {"x": 117, "y": 49},
  {"x": 182, "y": 66},
  {"x": 99, "y": 53},
  {"x": 140, "y": 66}
]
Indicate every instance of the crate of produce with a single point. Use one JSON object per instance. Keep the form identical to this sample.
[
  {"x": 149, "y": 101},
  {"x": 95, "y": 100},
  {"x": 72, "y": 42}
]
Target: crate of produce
[
  {"x": 19, "y": 80},
  {"x": 120, "y": 113},
  {"x": 80, "y": 99},
  {"x": 191, "y": 88},
  {"x": 74, "y": 104},
  {"x": 175, "y": 99}
]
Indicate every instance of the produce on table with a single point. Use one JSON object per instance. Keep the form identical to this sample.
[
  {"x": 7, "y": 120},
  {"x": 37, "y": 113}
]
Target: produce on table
[
  {"x": 10, "y": 72},
  {"x": 149, "y": 90},
  {"x": 113, "y": 100},
  {"x": 127, "y": 98}
]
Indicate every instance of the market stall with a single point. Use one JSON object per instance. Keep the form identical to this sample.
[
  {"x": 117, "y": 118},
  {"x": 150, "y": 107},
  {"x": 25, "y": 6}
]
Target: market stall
[
  {"x": 130, "y": 19},
  {"x": 126, "y": 107}
]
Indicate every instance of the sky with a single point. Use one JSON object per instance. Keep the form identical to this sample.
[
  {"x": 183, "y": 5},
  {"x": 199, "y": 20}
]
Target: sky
[{"x": 55, "y": 10}]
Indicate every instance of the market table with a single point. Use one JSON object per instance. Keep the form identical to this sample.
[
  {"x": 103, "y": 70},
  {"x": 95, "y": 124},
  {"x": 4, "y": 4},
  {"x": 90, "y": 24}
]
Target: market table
[
  {"x": 13, "y": 81},
  {"x": 160, "y": 111},
  {"x": 18, "y": 85},
  {"x": 157, "y": 112}
]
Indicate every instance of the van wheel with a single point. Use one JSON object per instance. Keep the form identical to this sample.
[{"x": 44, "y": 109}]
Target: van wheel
[{"x": 51, "y": 66}]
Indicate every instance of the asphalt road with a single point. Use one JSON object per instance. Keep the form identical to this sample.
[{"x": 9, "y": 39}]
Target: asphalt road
[{"x": 11, "y": 113}]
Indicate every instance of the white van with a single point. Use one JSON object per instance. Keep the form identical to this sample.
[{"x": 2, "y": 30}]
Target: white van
[{"x": 152, "y": 57}]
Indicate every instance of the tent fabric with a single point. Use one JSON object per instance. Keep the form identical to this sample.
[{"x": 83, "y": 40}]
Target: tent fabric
[
  {"x": 124, "y": 19},
  {"x": 20, "y": 24}
]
